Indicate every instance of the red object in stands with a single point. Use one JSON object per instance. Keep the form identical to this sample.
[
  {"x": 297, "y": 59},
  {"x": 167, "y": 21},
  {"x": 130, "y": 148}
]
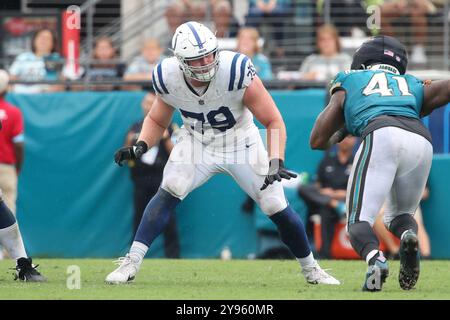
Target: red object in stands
[{"x": 341, "y": 247}]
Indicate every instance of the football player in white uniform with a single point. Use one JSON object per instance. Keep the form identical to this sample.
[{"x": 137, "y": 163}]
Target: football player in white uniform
[{"x": 217, "y": 94}]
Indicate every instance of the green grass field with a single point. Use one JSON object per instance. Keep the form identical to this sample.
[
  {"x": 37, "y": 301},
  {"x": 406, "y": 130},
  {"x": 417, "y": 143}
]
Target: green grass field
[{"x": 216, "y": 279}]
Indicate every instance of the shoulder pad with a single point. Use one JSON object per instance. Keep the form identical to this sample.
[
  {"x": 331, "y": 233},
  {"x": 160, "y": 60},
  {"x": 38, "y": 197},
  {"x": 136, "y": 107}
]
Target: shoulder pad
[
  {"x": 336, "y": 83},
  {"x": 239, "y": 69},
  {"x": 162, "y": 73}
]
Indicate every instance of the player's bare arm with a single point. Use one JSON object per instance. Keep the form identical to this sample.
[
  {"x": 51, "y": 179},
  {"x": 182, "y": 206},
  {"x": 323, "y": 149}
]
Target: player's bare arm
[
  {"x": 436, "y": 95},
  {"x": 261, "y": 104},
  {"x": 329, "y": 126},
  {"x": 155, "y": 123}
]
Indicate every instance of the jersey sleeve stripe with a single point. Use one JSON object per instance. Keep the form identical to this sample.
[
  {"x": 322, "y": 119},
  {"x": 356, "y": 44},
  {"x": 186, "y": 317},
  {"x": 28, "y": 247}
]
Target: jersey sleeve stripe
[
  {"x": 155, "y": 86},
  {"x": 160, "y": 78},
  {"x": 233, "y": 72},
  {"x": 241, "y": 79}
]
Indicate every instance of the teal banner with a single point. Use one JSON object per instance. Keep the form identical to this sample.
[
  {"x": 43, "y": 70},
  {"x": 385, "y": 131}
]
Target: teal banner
[{"x": 73, "y": 200}]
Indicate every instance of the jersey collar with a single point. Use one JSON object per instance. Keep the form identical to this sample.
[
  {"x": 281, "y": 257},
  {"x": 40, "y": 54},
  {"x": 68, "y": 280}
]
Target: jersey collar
[
  {"x": 193, "y": 90},
  {"x": 384, "y": 67}
]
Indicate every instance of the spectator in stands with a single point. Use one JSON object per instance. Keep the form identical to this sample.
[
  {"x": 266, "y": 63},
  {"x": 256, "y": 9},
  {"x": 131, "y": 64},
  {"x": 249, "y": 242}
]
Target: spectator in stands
[
  {"x": 247, "y": 43},
  {"x": 105, "y": 65},
  {"x": 329, "y": 61},
  {"x": 417, "y": 10},
  {"x": 272, "y": 11},
  {"x": 327, "y": 196},
  {"x": 196, "y": 10},
  {"x": 147, "y": 173},
  {"x": 348, "y": 16},
  {"x": 11, "y": 145},
  {"x": 141, "y": 68},
  {"x": 43, "y": 62},
  {"x": 225, "y": 25},
  {"x": 180, "y": 11},
  {"x": 175, "y": 15}
]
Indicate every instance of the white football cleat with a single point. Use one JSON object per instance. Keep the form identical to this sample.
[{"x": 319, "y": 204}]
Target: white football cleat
[
  {"x": 316, "y": 275},
  {"x": 125, "y": 273}
]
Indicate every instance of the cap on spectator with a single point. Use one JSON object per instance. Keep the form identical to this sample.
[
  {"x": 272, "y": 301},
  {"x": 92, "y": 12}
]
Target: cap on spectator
[{"x": 4, "y": 80}]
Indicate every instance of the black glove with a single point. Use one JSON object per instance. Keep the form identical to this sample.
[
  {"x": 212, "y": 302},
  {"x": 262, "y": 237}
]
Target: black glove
[
  {"x": 130, "y": 153},
  {"x": 277, "y": 172}
]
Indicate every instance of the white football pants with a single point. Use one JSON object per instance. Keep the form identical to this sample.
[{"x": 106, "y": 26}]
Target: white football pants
[
  {"x": 391, "y": 164},
  {"x": 191, "y": 164}
]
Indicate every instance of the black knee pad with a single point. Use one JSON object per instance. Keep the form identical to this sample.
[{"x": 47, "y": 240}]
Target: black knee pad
[
  {"x": 402, "y": 223},
  {"x": 363, "y": 238}
]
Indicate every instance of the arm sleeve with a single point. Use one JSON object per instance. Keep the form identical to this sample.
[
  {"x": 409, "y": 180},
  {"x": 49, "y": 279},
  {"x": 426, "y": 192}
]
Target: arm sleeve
[
  {"x": 242, "y": 72},
  {"x": 338, "y": 82},
  {"x": 159, "y": 79}
]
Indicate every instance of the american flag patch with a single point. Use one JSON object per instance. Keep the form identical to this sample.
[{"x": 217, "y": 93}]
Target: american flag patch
[{"x": 389, "y": 53}]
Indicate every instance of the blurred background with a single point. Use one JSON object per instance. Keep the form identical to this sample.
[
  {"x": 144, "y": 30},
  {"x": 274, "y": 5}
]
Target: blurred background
[{"x": 80, "y": 73}]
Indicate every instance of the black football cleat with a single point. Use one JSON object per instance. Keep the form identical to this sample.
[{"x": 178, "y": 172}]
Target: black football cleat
[
  {"x": 409, "y": 261},
  {"x": 26, "y": 271}
]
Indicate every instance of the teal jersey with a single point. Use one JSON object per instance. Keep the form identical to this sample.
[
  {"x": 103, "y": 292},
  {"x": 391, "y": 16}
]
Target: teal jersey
[{"x": 372, "y": 93}]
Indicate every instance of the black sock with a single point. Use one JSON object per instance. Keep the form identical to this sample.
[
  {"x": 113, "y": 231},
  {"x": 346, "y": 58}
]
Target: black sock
[
  {"x": 403, "y": 223},
  {"x": 292, "y": 232},
  {"x": 363, "y": 238}
]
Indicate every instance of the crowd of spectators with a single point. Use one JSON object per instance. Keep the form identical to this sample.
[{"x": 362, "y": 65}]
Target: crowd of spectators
[{"x": 260, "y": 35}]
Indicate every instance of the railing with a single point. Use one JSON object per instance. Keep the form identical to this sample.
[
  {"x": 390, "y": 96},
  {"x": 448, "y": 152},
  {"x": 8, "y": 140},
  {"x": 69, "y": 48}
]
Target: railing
[
  {"x": 119, "y": 83},
  {"x": 298, "y": 29},
  {"x": 137, "y": 21}
]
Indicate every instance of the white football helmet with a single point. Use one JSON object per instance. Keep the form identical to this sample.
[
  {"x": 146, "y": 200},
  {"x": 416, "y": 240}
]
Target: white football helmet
[{"x": 192, "y": 41}]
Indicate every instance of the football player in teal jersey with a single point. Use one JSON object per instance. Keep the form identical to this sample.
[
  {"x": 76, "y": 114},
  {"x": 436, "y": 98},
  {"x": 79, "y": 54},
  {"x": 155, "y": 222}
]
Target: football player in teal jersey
[{"x": 378, "y": 102}]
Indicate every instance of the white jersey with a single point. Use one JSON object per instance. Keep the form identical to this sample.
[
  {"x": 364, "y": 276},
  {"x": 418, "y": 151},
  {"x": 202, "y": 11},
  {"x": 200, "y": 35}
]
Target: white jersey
[
  {"x": 218, "y": 117},
  {"x": 220, "y": 135}
]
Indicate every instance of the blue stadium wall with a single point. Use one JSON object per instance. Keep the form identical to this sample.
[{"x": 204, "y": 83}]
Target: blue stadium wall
[{"x": 75, "y": 202}]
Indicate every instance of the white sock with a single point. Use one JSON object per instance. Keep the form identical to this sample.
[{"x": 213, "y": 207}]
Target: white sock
[
  {"x": 137, "y": 252},
  {"x": 307, "y": 261},
  {"x": 11, "y": 239},
  {"x": 371, "y": 255}
]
